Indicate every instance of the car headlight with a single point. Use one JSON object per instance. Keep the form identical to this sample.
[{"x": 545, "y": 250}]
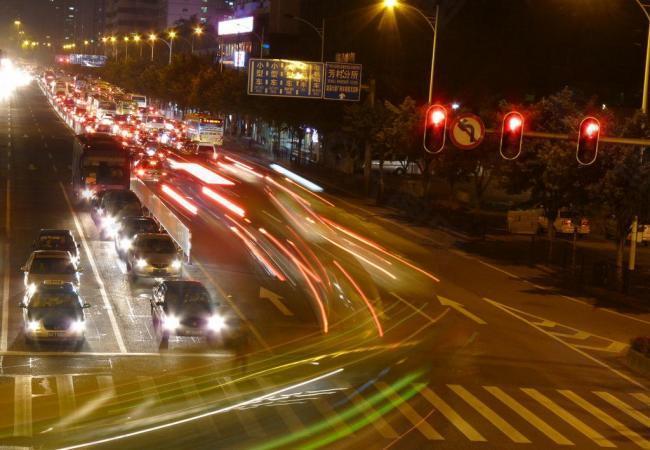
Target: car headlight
[
  {"x": 31, "y": 288},
  {"x": 171, "y": 323},
  {"x": 77, "y": 326},
  {"x": 141, "y": 263},
  {"x": 125, "y": 243},
  {"x": 87, "y": 194},
  {"x": 176, "y": 264},
  {"x": 33, "y": 325},
  {"x": 108, "y": 222},
  {"x": 216, "y": 322}
]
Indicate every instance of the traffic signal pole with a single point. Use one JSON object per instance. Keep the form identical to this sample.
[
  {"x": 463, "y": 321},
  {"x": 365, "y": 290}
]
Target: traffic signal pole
[{"x": 566, "y": 137}]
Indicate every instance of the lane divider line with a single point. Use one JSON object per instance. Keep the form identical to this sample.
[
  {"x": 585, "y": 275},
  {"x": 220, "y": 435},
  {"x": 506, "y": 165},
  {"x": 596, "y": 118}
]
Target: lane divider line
[
  {"x": 7, "y": 271},
  {"x": 100, "y": 282}
]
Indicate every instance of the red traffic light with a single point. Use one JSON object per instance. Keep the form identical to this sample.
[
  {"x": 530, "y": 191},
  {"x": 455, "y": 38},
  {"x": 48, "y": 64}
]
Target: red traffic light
[
  {"x": 588, "y": 137},
  {"x": 435, "y": 129},
  {"x": 512, "y": 135}
]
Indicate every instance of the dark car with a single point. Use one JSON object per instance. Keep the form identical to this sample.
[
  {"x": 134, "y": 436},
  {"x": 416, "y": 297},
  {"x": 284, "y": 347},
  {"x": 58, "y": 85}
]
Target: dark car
[
  {"x": 54, "y": 311},
  {"x": 55, "y": 239},
  {"x": 128, "y": 228},
  {"x": 185, "y": 308},
  {"x": 113, "y": 206}
]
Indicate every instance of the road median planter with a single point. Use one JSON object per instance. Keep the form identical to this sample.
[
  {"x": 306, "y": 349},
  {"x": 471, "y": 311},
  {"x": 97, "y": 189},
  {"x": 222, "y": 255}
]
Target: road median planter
[{"x": 639, "y": 355}]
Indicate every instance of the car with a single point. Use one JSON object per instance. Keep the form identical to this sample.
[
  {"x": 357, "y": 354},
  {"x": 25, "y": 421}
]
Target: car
[
  {"x": 153, "y": 255},
  {"x": 148, "y": 168},
  {"x": 56, "y": 239},
  {"x": 54, "y": 311},
  {"x": 127, "y": 230},
  {"x": 115, "y": 204},
  {"x": 566, "y": 222},
  {"x": 185, "y": 308},
  {"x": 50, "y": 265}
]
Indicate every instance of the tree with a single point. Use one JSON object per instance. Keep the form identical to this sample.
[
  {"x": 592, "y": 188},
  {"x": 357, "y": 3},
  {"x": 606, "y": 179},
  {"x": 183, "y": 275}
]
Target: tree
[
  {"x": 548, "y": 169},
  {"x": 362, "y": 123},
  {"x": 623, "y": 190}
]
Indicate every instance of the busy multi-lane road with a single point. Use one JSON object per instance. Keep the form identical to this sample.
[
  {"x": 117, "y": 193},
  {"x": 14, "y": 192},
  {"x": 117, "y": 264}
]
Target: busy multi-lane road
[{"x": 417, "y": 345}]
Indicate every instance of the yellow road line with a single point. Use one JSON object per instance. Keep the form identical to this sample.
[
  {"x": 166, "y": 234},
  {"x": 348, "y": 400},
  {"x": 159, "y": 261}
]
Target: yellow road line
[{"x": 627, "y": 409}]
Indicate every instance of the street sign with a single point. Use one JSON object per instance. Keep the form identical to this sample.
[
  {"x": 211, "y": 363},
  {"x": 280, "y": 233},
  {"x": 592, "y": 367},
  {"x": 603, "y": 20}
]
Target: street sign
[
  {"x": 467, "y": 131},
  {"x": 342, "y": 82},
  {"x": 285, "y": 78}
]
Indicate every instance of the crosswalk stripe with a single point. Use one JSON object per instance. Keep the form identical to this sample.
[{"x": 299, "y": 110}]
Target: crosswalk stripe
[
  {"x": 22, "y": 405},
  {"x": 642, "y": 398},
  {"x": 193, "y": 400},
  {"x": 569, "y": 418},
  {"x": 65, "y": 394},
  {"x": 606, "y": 418},
  {"x": 527, "y": 415},
  {"x": 624, "y": 407},
  {"x": 289, "y": 417},
  {"x": 489, "y": 414},
  {"x": 247, "y": 417},
  {"x": 378, "y": 422},
  {"x": 411, "y": 414},
  {"x": 452, "y": 416}
]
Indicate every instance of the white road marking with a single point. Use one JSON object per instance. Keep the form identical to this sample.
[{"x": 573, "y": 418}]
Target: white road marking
[
  {"x": 566, "y": 344},
  {"x": 452, "y": 416},
  {"x": 461, "y": 309},
  {"x": 275, "y": 299},
  {"x": 7, "y": 271},
  {"x": 23, "y": 405},
  {"x": 624, "y": 407},
  {"x": 489, "y": 414},
  {"x": 169, "y": 354},
  {"x": 65, "y": 395},
  {"x": 100, "y": 282}
]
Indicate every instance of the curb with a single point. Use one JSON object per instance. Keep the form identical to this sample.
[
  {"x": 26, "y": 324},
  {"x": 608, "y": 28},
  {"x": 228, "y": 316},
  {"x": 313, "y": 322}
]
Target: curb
[{"x": 639, "y": 361}]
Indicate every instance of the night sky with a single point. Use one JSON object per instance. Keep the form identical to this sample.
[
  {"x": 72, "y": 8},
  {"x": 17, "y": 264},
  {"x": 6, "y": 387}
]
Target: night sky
[{"x": 488, "y": 49}]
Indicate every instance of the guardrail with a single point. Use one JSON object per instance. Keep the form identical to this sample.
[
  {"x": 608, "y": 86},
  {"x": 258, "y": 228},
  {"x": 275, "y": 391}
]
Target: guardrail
[{"x": 168, "y": 220}]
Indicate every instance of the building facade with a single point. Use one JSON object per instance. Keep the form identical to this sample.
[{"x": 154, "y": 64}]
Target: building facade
[{"x": 131, "y": 16}]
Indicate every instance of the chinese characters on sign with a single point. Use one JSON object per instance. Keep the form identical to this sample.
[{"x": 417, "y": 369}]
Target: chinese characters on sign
[
  {"x": 285, "y": 78},
  {"x": 342, "y": 81}
]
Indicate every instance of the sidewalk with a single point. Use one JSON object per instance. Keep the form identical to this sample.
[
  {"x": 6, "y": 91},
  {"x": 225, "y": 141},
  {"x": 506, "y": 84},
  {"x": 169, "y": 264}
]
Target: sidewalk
[{"x": 515, "y": 253}]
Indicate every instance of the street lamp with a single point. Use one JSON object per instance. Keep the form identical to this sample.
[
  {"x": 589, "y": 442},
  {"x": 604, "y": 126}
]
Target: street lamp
[
  {"x": 433, "y": 23},
  {"x": 198, "y": 31},
  {"x": 319, "y": 31},
  {"x": 17, "y": 23},
  {"x": 136, "y": 39},
  {"x": 644, "y": 100},
  {"x": 126, "y": 48},
  {"x": 113, "y": 39},
  {"x": 170, "y": 44}
]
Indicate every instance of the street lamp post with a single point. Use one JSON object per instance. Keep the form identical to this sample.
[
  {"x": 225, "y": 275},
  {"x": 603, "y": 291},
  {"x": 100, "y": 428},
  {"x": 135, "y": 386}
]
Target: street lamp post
[
  {"x": 198, "y": 31},
  {"x": 433, "y": 23},
  {"x": 646, "y": 74},
  {"x": 170, "y": 44},
  {"x": 113, "y": 39},
  {"x": 136, "y": 39},
  {"x": 319, "y": 31},
  {"x": 126, "y": 49}
]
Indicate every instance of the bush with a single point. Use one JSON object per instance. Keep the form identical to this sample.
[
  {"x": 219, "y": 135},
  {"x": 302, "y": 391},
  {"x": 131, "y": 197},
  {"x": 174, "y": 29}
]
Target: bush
[{"x": 642, "y": 345}]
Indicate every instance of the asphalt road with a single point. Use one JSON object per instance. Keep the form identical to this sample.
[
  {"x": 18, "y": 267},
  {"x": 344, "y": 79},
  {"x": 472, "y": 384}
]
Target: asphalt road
[{"x": 483, "y": 358}]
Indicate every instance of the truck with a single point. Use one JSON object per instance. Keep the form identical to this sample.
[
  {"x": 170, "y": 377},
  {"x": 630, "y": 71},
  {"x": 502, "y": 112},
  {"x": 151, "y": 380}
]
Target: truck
[
  {"x": 205, "y": 129},
  {"x": 99, "y": 162}
]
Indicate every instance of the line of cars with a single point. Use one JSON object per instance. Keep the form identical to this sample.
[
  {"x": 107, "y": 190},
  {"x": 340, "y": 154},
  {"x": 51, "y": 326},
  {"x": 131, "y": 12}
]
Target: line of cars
[{"x": 53, "y": 309}]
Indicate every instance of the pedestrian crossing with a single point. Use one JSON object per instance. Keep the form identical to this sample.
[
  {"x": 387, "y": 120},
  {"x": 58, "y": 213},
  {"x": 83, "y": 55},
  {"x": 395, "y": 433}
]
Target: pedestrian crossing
[{"x": 465, "y": 414}]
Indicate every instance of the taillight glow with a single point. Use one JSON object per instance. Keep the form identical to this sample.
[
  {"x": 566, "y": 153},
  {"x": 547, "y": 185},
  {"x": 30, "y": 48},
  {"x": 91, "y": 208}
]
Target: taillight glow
[
  {"x": 178, "y": 198},
  {"x": 205, "y": 175},
  {"x": 223, "y": 201}
]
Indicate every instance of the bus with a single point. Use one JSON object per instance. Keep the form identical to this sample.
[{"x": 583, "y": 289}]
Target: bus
[
  {"x": 205, "y": 128},
  {"x": 125, "y": 106},
  {"x": 99, "y": 162},
  {"x": 141, "y": 100}
]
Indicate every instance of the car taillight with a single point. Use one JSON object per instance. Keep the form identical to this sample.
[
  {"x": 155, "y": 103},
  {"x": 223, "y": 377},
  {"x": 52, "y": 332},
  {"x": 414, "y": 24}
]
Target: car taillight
[{"x": 566, "y": 222}]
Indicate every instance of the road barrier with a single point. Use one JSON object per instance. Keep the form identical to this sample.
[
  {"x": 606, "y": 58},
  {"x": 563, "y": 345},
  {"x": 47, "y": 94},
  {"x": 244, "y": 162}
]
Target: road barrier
[{"x": 178, "y": 231}]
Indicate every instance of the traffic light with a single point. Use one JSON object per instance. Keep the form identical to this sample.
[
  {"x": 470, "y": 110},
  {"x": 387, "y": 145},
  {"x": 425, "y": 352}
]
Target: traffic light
[
  {"x": 512, "y": 135},
  {"x": 588, "y": 137},
  {"x": 435, "y": 129}
]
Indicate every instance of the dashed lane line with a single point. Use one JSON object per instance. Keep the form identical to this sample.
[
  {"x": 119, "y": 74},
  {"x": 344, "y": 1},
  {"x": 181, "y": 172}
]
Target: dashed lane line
[{"x": 7, "y": 271}]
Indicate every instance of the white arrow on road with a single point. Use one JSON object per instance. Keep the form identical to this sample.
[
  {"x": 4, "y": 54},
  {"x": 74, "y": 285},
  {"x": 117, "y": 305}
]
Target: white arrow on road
[
  {"x": 461, "y": 309},
  {"x": 275, "y": 299}
]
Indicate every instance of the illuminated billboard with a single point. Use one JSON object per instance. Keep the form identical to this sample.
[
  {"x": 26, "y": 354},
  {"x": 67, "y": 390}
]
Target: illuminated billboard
[{"x": 236, "y": 26}]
